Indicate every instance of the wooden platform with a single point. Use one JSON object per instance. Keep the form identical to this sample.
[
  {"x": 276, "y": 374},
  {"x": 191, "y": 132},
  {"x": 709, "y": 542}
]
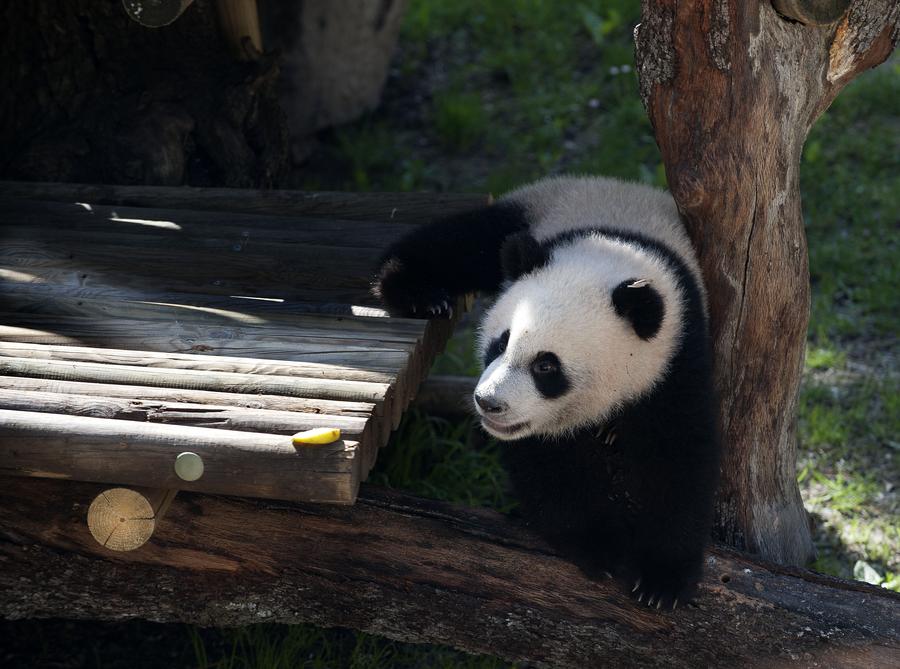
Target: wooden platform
[{"x": 140, "y": 322}]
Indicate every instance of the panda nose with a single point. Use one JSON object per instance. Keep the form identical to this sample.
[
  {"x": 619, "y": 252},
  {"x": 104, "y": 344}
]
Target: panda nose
[{"x": 490, "y": 404}]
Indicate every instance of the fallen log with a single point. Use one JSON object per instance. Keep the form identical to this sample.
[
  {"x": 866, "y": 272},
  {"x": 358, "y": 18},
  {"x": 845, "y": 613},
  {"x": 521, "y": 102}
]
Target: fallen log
[{"x": 423, "y": 571}]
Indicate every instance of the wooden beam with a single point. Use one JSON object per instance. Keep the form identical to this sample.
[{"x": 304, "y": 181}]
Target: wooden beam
[
  {"x": 423, "y": 571},
  {"x": 812, "y": 12},
  {"x": 155, "y": 13},
  {"x": 249, "y": 464},
  {"x": 445, "y": 395}
]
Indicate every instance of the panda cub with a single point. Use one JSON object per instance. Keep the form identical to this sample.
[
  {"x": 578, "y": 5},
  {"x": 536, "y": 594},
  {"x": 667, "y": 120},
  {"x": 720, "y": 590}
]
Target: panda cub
[{"x": 597, "y": 368}]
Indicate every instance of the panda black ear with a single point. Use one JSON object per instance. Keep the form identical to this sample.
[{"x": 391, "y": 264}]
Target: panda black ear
[
  {"x": 641, "y": 305},
  {"x": 520, "y": 254}
]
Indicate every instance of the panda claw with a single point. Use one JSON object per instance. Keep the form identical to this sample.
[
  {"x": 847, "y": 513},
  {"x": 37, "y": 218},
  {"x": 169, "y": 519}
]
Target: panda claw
[
  {"x": 650, "y": 600},
  {"x": 675, "y": 604},
  {"x": 449, "y": 312},
  {"x": 640, "y": 596},
  {"x": 637, "y": 584},
  {"x": 658, "y": 604}
]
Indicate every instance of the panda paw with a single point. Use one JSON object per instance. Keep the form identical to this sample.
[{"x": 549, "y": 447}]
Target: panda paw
[
  {"x": 662, "y": 589},
  {"x": 405, "y": 295}
]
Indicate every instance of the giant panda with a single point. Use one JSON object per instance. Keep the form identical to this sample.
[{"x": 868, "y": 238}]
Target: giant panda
[{"x": 597, "y": 368}]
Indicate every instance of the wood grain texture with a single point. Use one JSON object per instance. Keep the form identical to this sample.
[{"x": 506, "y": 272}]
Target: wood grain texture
[
  {"x": 387, "y": 207},
  {"x": 424, "y": 571},
  {"x": 733, "y": 168},
  {"x": 79, "y": 448}
]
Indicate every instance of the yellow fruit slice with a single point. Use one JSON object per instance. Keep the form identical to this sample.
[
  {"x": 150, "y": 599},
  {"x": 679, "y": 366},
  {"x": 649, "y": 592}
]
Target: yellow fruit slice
[{"x": 319, "y": 435}]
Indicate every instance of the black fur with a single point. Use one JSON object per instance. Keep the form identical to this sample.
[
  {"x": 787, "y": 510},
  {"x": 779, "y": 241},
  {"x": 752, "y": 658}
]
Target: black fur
[
  {"x": 496, "y": 348},
  {"x": 551, "y": 382},
  {"x": 641, "y": 305},
  {"x": 424, "y": 272},
  {"x": 521, "y": 254},
  {"x": 632, "y": 496}
]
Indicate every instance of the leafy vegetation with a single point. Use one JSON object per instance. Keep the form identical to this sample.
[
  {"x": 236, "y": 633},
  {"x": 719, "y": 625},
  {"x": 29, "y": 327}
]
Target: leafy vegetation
[{"x": 489, "y": 95}]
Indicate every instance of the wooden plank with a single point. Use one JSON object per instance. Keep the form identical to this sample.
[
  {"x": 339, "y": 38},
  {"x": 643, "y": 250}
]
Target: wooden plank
[
  {"x": 396, "y": 207},
  {"x": 49, "y": 299},
  {"x": 251, "y": 401},
  {"x": 33, "y": 219},
  {"x": 235, "y": 463},
  {"x": 328, "y": 389},
  {"x": 237, "y": 341},
  {"x": 52, "y": 272},
  {"x": 273, "y": 271}
]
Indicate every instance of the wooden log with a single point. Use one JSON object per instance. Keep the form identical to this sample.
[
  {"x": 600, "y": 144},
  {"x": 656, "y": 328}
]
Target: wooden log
[
  {"x": 396, "y": 207},
  {"x": 199, "y": 361},
  {"x": 249, "y": 400},
  {"x": 123, "y": 519},
  {"x": 247, "y": 464},
  {"x": 733, "y": 169},
  {"x": 191, "y": 379},
  {"x": 424, "y": 571},
  {"x": 155, "y": 13},
  {"x": 179, "y": 413},
  {"x": 812, "y": 12},
  {"x": 239, "y": 23}
]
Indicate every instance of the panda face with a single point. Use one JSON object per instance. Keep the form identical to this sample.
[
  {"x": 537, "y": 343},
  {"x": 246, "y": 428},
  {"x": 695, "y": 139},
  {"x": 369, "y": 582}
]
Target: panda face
[{"x": 565, "y": 346}]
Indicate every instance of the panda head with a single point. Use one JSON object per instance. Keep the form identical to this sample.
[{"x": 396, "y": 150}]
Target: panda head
[{"x": 582, "y": 328}]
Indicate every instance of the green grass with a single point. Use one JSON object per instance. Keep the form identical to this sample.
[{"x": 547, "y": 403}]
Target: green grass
[{"x": 489, "y": 95}]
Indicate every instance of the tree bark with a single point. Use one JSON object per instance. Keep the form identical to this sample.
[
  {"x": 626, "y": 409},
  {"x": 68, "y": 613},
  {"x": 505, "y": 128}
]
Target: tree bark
[
  {"x": 422, "y": 571},
  {"x": 732, "y": 89}
]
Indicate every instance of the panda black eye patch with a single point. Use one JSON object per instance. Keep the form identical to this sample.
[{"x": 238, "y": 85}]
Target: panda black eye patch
[
  {"x": 496, "y": 348},
  {"x": 549, "y": 377}
]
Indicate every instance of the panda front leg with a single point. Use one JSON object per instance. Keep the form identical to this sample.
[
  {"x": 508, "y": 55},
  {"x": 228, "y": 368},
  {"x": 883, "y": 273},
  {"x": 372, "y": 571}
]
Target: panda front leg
[
  {"x": 424, "y": 272},
  {"x": 666, "y": 558}
]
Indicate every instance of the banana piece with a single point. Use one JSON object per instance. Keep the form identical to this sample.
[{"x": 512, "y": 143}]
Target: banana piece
[{"x": 319, "y": 435}]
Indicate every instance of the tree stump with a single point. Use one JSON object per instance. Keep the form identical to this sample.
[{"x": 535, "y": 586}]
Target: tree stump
[{"x": 732, "y": 89}]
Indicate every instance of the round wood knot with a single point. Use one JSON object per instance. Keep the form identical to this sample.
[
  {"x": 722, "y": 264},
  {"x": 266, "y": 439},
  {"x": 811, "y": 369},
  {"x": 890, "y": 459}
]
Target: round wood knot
[{"x": 121, "y": 519}]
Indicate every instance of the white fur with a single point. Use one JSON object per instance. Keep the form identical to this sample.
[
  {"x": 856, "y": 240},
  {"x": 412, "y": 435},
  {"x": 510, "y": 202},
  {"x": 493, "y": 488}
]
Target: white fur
[
  {"x": 566, "y": 307},
  {"x": 559, "y": 204}
]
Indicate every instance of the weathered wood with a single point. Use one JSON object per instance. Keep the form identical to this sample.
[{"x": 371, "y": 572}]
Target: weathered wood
[
  {"x": 239, "y": 22},
  {"x": 25, "y": 218},
  {"x": 235, "y": 463},
  {"x": 179, "y": 413},
  {"x": 424, "y": 571},
  {"x": 123, "y": 519},
  {"x": 812, "y": 12},
  {"x": 200, "y": 361},
  {"x": 234, "y": 341},
  {"x": 732, "y": 167},
  {"x": 191, "y": 379},
  {"x": 396, "y": 207},
  {"x": 149, "y": 393}
]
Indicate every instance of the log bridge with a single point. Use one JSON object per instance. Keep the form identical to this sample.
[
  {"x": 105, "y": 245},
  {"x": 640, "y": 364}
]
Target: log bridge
[{"x": 156, "y": 341}]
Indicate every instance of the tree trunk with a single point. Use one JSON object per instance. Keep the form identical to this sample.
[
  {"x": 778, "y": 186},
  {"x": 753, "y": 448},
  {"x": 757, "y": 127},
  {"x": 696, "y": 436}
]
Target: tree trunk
[
  {"x": 732, "y": 89},
  {"x": 90, "y": 95},
  {"x": 423, "y": 571}
]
